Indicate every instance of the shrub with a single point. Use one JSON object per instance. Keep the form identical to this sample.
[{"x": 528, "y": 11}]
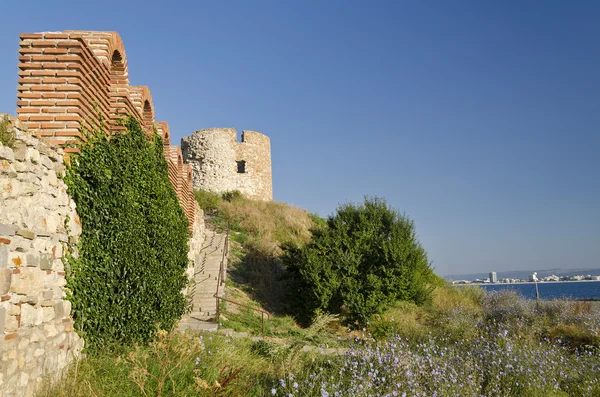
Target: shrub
[
  {"x": 366, "y": 258},
  {"x": 7, "y": 132},
  {"x": 231, "y": 195},
  {"x": 128, "y": 278}
]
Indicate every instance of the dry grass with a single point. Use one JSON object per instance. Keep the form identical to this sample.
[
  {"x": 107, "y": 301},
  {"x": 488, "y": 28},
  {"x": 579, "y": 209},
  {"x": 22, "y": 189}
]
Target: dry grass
[
  {"x": 260, "y": 228},
  {"x": 464, "y": 298},
  {"x": 268, "y": 224}
]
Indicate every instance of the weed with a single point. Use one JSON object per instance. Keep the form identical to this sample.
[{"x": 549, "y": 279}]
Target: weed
[{"x": 7, "y": 132}]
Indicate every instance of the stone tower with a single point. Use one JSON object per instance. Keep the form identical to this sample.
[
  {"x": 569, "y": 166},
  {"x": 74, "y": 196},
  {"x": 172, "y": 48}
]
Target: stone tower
[{"x": 220, "y": 163}]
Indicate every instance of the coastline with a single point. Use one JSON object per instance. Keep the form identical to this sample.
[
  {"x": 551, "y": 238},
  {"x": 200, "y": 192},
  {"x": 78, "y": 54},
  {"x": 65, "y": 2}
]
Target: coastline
[{"x": 530, "y": 282}]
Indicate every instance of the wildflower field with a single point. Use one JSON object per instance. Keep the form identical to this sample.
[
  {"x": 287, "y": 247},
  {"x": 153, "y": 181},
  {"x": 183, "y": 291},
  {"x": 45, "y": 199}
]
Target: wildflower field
[{"x": 466, "y": 343}]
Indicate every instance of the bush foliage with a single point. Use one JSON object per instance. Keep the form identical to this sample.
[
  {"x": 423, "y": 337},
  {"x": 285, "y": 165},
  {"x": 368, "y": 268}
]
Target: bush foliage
[
  {"x": 365, "y": 259},
  {"x": 128, "y": 277}
]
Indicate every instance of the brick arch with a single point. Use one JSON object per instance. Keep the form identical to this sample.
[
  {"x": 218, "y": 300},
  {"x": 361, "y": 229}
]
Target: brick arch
[
  {"x": 163, "y": 130},
  {"x": 147, "y": 109},
  {"x": 118, "y": 68},
  {"x": 119, "y": 85},
  {"x": 179, "y": 159},
  {"x": 102, "y": 44},
  {"x": 141, "y": 99},
  {"x": 115, "y": 45}
]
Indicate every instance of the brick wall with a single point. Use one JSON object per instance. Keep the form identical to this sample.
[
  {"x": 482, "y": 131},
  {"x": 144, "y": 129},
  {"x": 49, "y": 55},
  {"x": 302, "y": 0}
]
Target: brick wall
[{"x": 76, "y": 80}]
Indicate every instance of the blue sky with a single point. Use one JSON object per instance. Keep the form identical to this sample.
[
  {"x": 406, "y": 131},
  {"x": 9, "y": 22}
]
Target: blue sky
[{"x": 479, "y": 120}]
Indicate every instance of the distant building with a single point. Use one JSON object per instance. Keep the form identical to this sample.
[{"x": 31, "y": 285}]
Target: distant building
[
  {"x": 533, "y": 277},
  {"x": 551, "y": 278},
  {"x": 455, "y": 282},
  {"x": 493, "y": 277}
]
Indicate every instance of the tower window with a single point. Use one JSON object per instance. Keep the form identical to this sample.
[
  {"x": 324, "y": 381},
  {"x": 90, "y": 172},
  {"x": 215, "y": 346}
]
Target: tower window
[{"x": 241, "y": 167}]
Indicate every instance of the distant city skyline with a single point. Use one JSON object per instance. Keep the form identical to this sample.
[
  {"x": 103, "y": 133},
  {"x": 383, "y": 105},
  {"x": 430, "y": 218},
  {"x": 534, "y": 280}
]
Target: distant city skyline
[
  {"x": 479, "y": 120},
  {"x": 523, "y": 274}
]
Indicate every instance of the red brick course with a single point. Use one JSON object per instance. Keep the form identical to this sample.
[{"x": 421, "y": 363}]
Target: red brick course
[{"x": 72, "y": 81}]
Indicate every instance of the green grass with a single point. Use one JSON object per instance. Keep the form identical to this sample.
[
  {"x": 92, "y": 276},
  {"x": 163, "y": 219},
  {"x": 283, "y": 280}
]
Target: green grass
[
  {"x": 201, "y": 364},
  {"x": 7, "y": 132}
]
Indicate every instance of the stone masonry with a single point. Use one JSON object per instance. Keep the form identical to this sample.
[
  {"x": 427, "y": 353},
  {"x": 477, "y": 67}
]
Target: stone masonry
[
  {"x": 37, "y": 222},
  {"x": 220, "y": 163}
]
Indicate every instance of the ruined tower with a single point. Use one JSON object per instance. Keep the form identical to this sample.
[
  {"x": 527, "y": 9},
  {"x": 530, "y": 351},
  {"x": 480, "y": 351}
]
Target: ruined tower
[{"x": 220, "y": 163}]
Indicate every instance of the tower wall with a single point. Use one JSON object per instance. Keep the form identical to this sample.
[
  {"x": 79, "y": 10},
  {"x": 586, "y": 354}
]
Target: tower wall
[{"x": 220, "y": 163}]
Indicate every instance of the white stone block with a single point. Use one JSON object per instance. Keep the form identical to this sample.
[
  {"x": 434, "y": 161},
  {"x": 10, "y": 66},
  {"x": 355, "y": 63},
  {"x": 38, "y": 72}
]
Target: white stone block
[
  {"x": 32, "y": 155},
  {"x": 31, "y": 281},
  {"x": 48, "y": 314},
  {"x": 31, "y": 316},
  {"x": 50, "y": 330}
]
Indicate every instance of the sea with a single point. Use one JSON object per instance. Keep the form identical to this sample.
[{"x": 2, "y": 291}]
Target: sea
[{"x": 583, "y": 290}]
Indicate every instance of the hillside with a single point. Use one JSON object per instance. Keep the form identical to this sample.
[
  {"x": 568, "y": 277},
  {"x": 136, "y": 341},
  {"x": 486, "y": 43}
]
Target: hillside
[{"x": 258, "y": 231}]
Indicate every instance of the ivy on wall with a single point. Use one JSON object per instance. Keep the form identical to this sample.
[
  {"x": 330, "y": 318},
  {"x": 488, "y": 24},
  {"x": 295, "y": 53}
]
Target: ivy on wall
[{"x": 128, "y": 278}]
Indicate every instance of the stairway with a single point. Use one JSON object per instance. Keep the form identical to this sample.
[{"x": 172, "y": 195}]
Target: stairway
[{"x": 206, "y": 274}]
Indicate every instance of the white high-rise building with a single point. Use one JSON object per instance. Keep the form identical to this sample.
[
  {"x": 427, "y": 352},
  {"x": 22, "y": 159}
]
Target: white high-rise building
[{"x": 493, "y": 277}]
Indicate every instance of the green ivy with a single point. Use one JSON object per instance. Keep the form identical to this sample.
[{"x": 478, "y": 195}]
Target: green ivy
[{"x": 128, "y": 278}]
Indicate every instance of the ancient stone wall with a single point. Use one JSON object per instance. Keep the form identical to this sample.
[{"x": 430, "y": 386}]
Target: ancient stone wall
[
  {"x": 196, "y": 241},
  {"x": 37, "y": 220},
  {"x": 76, "y": 80},
  {"x": 69, "y": 82},
  {"x": 219, "y": 163}
]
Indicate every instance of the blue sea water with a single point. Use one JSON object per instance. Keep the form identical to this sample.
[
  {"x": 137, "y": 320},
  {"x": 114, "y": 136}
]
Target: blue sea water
[{"x": 553, "y": 290}]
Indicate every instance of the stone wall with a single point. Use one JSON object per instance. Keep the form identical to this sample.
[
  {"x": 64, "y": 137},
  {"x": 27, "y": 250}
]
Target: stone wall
[
  {"x": 196, "y": 241},
  {"x": 217, "y": 161},
  {"x": 76, "y": 80},
  {"x": 69, "y": 82},
  {"x": 37, "y": 221}
]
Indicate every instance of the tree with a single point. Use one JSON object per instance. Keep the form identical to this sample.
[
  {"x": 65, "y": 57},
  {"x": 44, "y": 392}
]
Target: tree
[{"x": 365, "y": 258}]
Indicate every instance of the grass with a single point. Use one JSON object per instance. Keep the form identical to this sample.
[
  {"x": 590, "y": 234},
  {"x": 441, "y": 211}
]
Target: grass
[
  {"x": 7, "y": 132},
  {"x": 505, "y": 346},
  {"x": 175, "y": 364},
  {"x": 264, "y": 225},
  {"x": 466, "y": 342},
  {"x": 258, "y": 230}
]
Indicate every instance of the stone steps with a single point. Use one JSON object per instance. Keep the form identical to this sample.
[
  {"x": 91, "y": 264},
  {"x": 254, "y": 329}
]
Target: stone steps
[{"x": 206, "y": 273}]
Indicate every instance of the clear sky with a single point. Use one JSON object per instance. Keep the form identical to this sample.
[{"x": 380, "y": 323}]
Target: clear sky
[{"x": 480, "y": 120}]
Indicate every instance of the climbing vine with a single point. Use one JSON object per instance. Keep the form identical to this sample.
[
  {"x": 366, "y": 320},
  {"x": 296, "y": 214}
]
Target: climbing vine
[{"x": 127, "y": 280}]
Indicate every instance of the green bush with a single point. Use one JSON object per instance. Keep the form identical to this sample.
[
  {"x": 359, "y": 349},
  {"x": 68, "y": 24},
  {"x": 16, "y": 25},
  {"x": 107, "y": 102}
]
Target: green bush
[
  {"x": 367, "y": 258},
  {"x": 232, "y": 195},
  {"x": 7, "y": 132},
  {"x": 128, "y": 278}
]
